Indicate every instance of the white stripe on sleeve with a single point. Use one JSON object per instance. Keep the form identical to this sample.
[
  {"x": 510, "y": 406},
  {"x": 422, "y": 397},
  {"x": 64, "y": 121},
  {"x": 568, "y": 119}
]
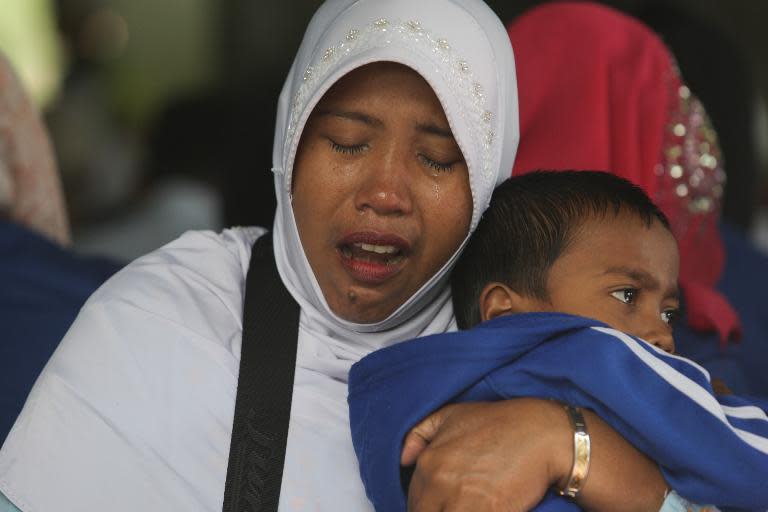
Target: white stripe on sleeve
[{"x": 690, "y": 388}]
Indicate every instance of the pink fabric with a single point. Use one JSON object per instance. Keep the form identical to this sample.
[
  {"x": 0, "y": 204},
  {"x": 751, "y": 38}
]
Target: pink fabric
[
  {"x": 600, "y": 91},
  {"x": 30, "y": 189}
]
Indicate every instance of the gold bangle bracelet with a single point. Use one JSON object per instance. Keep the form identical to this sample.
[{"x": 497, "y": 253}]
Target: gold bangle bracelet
[{"x": 581, "y": 452}]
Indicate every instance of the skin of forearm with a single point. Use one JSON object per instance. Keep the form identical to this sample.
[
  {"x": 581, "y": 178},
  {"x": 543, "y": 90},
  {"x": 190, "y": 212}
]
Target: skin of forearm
[{"x": 618, "y": 474}]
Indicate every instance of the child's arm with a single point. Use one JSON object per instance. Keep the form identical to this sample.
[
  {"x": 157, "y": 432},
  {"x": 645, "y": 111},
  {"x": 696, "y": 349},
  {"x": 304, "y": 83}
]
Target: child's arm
[
  {"x": 711, "y": 449},
  {"x": 662, "y": 404}
]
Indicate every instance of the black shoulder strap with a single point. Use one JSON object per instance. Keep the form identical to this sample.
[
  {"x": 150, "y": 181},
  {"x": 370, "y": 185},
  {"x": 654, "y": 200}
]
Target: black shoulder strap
[{"x": 264, "y": 387}]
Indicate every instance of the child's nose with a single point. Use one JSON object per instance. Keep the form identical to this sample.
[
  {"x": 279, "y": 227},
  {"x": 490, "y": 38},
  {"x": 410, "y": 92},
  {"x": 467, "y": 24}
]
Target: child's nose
[{"x": 662, "y": 338}]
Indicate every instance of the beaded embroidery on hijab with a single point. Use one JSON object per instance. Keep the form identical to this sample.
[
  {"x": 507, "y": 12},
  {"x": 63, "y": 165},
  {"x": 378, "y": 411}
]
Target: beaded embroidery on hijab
[
  {"x": 600, "y": 91},
  {"x": 462, "y": 50}
]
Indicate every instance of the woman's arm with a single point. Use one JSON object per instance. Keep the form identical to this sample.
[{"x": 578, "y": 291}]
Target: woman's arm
[
  {"x": 620, "y": 477},
  {"x": 506, "y": 455}
]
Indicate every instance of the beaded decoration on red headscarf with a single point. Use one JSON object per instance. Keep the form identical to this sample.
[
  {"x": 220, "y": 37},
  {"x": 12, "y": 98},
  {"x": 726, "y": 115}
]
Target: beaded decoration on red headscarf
[
  {"x": 600, "y": 91},
  {"x": 691, "y": 181}
]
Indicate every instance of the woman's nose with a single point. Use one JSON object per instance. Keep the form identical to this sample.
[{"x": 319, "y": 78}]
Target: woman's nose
[{"x": 386, "y": 188}]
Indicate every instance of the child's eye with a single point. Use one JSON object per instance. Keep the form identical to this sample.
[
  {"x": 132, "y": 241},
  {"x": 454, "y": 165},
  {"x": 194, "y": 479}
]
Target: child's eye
[
  {"x": 437, "y": 166},
  {"x": 670, "y": 316},
  {"x": 348, "y": 150},
  {"x": 626, "y": 295}
]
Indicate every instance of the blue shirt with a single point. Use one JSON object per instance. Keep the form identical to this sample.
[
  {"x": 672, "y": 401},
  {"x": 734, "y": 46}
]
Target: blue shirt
[{"x": 42, "y": 287}]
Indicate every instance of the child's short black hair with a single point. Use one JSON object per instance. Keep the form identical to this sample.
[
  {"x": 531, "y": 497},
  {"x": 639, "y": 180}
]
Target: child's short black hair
[{"x": 530, "y": 222}]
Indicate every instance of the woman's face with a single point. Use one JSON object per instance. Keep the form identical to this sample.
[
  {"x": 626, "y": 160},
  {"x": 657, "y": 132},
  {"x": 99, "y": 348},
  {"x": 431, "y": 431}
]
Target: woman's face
[{"x": 380, "y": 191}]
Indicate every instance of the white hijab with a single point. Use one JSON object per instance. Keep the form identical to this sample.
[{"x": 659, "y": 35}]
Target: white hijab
[{"x": 463, "y": 51}]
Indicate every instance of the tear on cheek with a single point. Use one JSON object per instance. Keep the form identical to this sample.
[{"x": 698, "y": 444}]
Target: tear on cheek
[{"x": 352, "y": 296}]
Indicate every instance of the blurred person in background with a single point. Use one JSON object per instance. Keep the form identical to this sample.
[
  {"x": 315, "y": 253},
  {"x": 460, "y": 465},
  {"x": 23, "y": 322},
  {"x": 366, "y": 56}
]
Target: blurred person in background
[
  {"x": 133, "y": 181},
  {"x": 43, "y": 283}
]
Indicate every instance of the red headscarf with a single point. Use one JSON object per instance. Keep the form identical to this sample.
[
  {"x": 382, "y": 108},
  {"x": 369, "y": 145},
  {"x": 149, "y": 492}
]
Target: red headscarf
[{"x": 599, "y": 91}]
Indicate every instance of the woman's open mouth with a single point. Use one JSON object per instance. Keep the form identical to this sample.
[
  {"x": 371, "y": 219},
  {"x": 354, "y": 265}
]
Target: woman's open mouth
[{"x": 372, "y": 258}]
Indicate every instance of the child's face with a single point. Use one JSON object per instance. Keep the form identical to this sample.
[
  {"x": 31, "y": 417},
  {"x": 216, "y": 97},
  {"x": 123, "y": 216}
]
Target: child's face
[{"x": 620, "y": 272}]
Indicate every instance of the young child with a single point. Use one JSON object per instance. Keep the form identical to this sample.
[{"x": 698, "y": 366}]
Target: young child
[
  {"x": 574, "y": 278},
  {"x": 584, "y": 243}
]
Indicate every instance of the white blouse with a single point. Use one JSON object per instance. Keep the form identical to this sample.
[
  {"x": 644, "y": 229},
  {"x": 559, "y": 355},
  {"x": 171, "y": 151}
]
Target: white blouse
[{"x": 163, "y": 337}]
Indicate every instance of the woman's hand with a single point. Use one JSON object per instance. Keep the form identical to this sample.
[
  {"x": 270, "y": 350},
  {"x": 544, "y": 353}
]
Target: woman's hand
[
  {"x": 488, "y": 456},
  {"x": 505, "y": 455}
]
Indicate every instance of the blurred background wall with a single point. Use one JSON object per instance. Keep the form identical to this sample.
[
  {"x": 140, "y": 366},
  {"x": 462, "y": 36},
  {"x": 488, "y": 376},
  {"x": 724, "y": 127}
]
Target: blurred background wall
[{"x": 162, "y": 112}]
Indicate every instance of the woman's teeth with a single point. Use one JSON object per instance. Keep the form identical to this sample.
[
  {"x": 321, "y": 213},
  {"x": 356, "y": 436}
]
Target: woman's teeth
[
  {"x": 388, "y": 254},
  {"x": 378, "y": 249}
]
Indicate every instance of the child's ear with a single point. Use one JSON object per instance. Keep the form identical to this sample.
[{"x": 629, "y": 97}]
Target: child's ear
[{"x": 498, "y": 299}]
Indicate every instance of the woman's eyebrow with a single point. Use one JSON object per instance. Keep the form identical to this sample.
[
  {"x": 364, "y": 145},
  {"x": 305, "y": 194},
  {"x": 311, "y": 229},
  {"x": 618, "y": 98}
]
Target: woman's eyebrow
[
  {"x": 352, "y": 115},
  {"x": 433, "y": 129}
]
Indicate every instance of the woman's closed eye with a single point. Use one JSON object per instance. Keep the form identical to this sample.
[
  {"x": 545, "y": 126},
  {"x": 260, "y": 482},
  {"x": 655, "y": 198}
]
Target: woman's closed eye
[
  {"x": 351, "y": 149},
  {"x": 436, "y": 165},
  {"x": 431, "y": 163},
  {"x": 626, "y": 295}
]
